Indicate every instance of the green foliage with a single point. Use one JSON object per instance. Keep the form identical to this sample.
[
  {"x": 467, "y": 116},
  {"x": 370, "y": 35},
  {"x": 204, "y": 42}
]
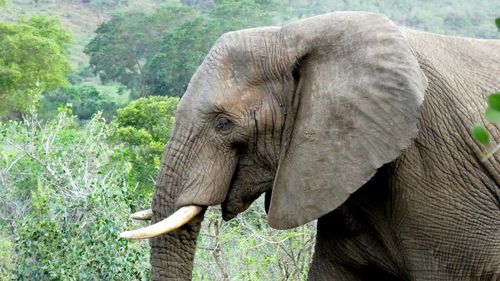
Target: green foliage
[
  {"x": 479, "y": 131},
  {"x": 497, "y": 22},
  {"x": 494, "y": 101},
  {"x": 182, "y": 51},
  {"x": 157, "y": 53},
  {"x": 32, "y": 59},
  {"x": 63, "y": 201},
  {"x": 143, "y": 128},
  {"x": 66, "y": 194},
  {"x": 481, "y": 135},
  {"x": 6, "y": 253},
  {"x": 492, "y": 113},
  {"x": 85, "y": 101},
  {"x": 124, "y": 44}
]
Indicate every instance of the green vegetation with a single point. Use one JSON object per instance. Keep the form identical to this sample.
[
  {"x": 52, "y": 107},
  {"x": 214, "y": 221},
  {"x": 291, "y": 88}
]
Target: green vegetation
[
  {"x": 63, "y": 199},
  {"x": 32, "y": 59},
  {"x": 125, "y": 44},
  {"x": 67, "y": 190},
  {"x": 479, "y": 131},
  {"x": 142, "y": 129},
  {"x": 84, "y": 100},
  {"x": 87, "y": 154},
  {"x": 157, "y": 53}
]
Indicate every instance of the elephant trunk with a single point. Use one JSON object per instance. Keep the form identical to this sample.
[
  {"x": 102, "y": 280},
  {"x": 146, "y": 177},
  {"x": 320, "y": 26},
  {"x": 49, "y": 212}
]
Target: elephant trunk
[{"x": 172, "y": 254}]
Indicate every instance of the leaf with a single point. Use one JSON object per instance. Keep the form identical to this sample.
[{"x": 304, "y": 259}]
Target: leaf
[
  {"x": 492, "y": 115},
  {"x": 480, "y": 134},
  {"x": 494, "y": 101},
  {"x": 497, "y": 22}
]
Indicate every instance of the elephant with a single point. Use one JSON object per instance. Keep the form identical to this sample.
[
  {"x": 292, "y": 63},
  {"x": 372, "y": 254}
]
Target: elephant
[{"x": 350, "y": 120}]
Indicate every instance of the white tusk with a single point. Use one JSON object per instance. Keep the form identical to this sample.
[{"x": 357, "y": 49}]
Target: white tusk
[
  {"x": 142, "y": 215},
  {"x": 174, "y": 221}
]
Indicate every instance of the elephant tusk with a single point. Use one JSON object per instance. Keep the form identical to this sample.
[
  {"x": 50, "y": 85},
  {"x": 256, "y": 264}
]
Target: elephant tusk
[
  {"x": 174, "y": 221},
  {"x": 142, "y": 215}
]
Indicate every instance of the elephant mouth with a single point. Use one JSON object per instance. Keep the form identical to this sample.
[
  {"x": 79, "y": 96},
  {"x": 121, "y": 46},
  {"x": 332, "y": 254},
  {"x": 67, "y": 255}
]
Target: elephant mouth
[
  {"x": 232, "y": 209},
  {"x": 182, "y": 216},
  {"x": 179, "y": 218},
  {"x": 226, "y": 215}
]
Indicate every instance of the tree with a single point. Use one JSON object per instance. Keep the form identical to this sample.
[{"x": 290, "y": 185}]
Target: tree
[
  {"x": 33, "y": 58},
  {"x": 125, "y": 43},
  {"x": 182, "y": 51},
  {"x": 156, "y": 54},
  {"x": 184, "y": 47},
  {"x": 143, "y": 128},
  {"x": 84, "y": 100}
]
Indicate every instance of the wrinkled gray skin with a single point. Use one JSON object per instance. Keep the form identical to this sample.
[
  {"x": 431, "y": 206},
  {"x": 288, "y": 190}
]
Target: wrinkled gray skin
[{"x": 351, "y": 120}]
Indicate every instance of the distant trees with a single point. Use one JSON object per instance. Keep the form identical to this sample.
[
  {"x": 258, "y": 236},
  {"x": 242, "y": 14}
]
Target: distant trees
[
  {"x": 124, "y": 45},
  {"x": 33, "y": 58},
  {"x": 157, "y": 53},
  {"x": 84, "y": 100},
  {"x": 182, "y": 51}
]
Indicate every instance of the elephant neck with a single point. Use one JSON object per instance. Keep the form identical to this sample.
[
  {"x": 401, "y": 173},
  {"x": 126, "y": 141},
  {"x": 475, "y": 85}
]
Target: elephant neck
[{"x": 360, "y": 231}]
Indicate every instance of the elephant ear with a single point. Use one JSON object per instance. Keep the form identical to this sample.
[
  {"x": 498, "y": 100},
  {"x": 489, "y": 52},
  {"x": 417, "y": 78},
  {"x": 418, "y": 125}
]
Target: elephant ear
[{"x": 357, "y": 103}]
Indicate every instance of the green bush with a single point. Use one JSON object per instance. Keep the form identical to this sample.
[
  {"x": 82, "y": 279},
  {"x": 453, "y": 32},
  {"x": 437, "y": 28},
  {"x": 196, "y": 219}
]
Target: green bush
[
  {"x": 142, "y": 130},
  {"x": 84, "y": 100},
  {"x": 63, "y": 201}
]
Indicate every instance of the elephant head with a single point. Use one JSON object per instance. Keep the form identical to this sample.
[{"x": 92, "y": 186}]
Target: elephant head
[{"x": 306, "y": 112}]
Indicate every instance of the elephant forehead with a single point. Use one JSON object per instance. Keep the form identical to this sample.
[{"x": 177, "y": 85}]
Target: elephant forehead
[{"x": 204, "y": 102}]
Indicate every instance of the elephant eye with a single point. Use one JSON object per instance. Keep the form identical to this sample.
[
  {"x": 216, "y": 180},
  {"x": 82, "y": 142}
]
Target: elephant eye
[{"x": 223, "y": 124}]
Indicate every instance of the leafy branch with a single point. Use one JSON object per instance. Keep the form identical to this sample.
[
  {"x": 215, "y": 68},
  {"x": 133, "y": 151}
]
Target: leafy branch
[
  {"x": 480, "y": 133},
  {"x": 492, "y": 114}
]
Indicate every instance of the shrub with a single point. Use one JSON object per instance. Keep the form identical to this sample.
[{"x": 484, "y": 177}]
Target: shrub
[
  {"x": 63, "y": 201},
  {"x": 142, "y": 130}
]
